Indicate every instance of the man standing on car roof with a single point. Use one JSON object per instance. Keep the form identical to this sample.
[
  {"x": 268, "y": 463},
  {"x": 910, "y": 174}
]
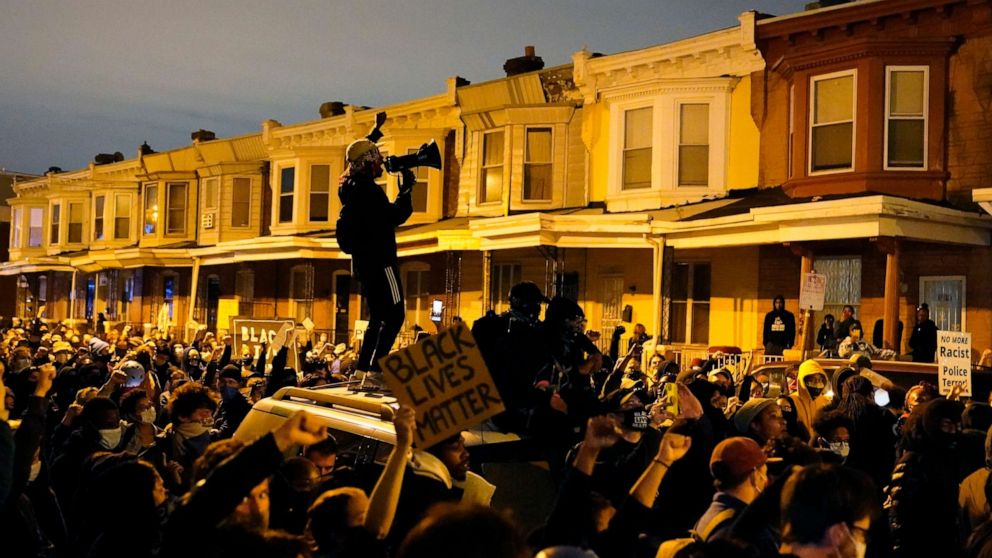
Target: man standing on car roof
[{"x": 367, "y": 230}]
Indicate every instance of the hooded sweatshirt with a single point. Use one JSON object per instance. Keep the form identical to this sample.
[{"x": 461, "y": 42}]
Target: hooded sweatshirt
[{"x": 806, "y": 405}]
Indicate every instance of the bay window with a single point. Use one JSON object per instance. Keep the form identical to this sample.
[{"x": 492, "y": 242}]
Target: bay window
[
  {"x": 637, "y": 148},
  {"x": 694, "y": 144},
  {"x": 175, "y": 208},
  {"x": 906, "y": 117},
  {"x": 832, "y": 122},
  {"x": 537, "y": 165},
  {"x": 491, "y": 184}
]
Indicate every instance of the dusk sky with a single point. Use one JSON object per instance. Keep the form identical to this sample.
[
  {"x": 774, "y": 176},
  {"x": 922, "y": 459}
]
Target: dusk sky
[{"x": 81, "y": 78}]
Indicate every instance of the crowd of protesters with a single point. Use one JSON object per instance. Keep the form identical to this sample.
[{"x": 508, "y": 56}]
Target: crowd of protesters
[{"x": 122, "y": 444}]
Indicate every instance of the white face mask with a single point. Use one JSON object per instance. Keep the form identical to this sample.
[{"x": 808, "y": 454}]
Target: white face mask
[
  {"x": 35, "y": 470},
  {"x": 111, "y": 437},
  {"x": 192, "y": 429},
  {"x": 842, "y": 449},
  {"x": 148, "y": 415}
]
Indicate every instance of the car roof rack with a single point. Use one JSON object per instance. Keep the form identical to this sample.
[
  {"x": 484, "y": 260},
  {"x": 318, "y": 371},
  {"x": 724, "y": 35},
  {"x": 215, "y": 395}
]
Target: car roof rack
[{"x": 384, "y": 410}]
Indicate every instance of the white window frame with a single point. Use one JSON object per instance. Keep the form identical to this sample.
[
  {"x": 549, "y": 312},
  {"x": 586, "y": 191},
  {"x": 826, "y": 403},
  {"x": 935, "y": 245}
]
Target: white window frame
[
  {"x": 853, "y": 72},
  {"x": 82, "y": 222},
  {"x": 622, "y": 148},
  {"x": 100, "y": 215},
  {"x": 156, "y": 214},
  {"x": 504, "y": 165},
  {"x": 279, "y": 194},
  {"x": 888, "y": 116},
  {"x": 330, "y": 190},
  {"x": 550, "y": 163},
  {"x": 234, "y": 199},
  {"x": 678, "y": 144},
  {"x": 17, "y": 233},
  {"x": 964, "y": 294},
  {"x": 168, "y": 208},
  {"x": 55, "y": 224},
  {"x": 210, "y": 202}
]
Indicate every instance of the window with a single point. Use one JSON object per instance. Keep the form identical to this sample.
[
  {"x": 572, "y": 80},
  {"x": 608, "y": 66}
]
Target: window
[
  {"x": 537, "y": 165},
  {"x": 690, "y": 303},
  {"x": 503, "y": 277},
  {"x": 492, "y": 167},
  {"x": 946, "y": 298},
  {"x": 53, "y": 235},
  {"x": 287, "y": 178},
  {"x": 210, "y": 193},
  {"x": 320, "y": 193},
  {"x": 417, "y": 292},
  {"x": 169, "y": 294},
  {"x": 694, "y": 144},
  {"x": 843, "y": 283},
  {"x": 906, "y": 117},
  {"x": 98, "y": 205},
  {"x": 175, "y": 204},
  {"x": 15, "y": 239},
  {"x": 241, "y": 203},
  {"x": 419, "y": 194},
  {"x": 832, "y": 123},
  {"x": 75, "y": 235},
  {"x": 301, "y": 291},
  {"x": 35, "y": 227},
  {"x": 244, "y": 290},
  {"x": 637, "y": 131},
  {"x": 122, "y": 216},
  {"x": 151, "y": 208}
]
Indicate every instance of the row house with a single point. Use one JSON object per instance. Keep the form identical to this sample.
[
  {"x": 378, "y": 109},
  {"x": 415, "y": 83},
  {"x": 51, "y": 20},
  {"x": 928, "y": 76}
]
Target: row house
[{"x": 681, "y": 186}]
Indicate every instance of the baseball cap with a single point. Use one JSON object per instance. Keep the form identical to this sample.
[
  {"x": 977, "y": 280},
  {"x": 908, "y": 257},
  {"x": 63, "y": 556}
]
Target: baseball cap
[
  {"x": 750, "y": 411},
  {"x": 528, "y": 290},
  {"x": 735, "y": 458}
]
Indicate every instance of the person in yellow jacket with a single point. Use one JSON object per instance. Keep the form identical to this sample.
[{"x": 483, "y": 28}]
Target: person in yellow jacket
[{"x": 810, "y": 395}]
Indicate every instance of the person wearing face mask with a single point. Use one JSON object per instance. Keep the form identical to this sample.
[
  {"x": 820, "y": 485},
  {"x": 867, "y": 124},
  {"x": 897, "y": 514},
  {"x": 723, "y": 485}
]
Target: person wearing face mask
[
  {"x": 923, "y": 492},
  {"x": 63, "y": 354},
  {"x": 833, "y": 436},
  {"x": 792, "y": 426},
  {"x": 234, "y": 406},
  {"x": 739, "y": 474},
  {"x": 138, "y": 411},
  {"x": 809, "y": 398},
  {"x": 872, "y": 441},
  {"x": 99, "y": 429},
  {"x": 191, "y": 409},
  {"x": 827, "y": 511},
  {"x": 193, "y": 365}
]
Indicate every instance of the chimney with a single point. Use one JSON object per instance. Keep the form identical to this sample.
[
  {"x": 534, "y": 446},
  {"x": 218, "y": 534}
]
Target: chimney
[
  {"x": 54, "y": 170},
  {"x": 529, "y": 62},
  {"x": 145, "y": 149},
  {"x": 202, "y": 135},
  {"x": 332, "y": 108}
]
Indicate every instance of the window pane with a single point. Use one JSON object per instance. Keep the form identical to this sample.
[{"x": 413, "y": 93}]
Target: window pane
[
  {"x": 680, "y": 282},
  {"x": 99, "y": 202},
  {"x": 287, "y": 177},
  {"x": 15, "y": 240},
  {"x": 75, "y": 235},
  {"x": 832, "y": 146},
  {"x": 701, "y": 322},
  {"x": 122, "y": 217},
  {"x": 35, "y": 228},
  {"x": 637, "y": 128},
  {"x": 492, "y": 185},
  {"x": 637, "y": 169},
  {"x": 906, "y": 93},
  {"x": 320, "y": 184},
  {"x": 906, "y": 143},
  {"x": 176, "y": 218},
  {"x": 694, "y": 124},
  {"x": 677, "y": 323},
  {"x": 492, "y": 150},
  {"x": 834, "y": 100},
  {"x": 56, "y": 217},
  {"x": 539, "y": 145},
  {"x": 537, "y": 182},
  {"x": 701, "y": 282},
  {"x": 241, "y": 203},
  {"x": 151, "y": 208},
  {"x": 210, "y": 193},
  {"x": 694, "y": 165}
]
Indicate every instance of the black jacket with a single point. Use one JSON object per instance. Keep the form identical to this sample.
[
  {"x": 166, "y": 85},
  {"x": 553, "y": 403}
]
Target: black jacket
[
  {"x": 780, "y": 328},
  {"x": 923, "y": 341},
  {"x": 373, "y": 219}
]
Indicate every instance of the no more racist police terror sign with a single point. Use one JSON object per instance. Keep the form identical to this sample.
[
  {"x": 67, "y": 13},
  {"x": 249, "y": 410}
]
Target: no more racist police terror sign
[{"x": 445, "y": 380}]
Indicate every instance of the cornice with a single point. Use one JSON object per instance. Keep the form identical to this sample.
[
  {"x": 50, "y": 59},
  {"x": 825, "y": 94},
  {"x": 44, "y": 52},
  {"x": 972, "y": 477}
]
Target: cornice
[
  {"x": 831, "y": 53},
  {"x": 669, "y": 86}
]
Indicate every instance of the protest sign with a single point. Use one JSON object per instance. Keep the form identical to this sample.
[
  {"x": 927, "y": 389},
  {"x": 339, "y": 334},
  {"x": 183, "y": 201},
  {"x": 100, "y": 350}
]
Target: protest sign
[
  {"x": 954, "y": 362},
  {"x": 445, "y": 380},
  {"x": 252, "y": 333},
  {"x": 360, "y": 327},
  {"x": 813, "y": 291}
]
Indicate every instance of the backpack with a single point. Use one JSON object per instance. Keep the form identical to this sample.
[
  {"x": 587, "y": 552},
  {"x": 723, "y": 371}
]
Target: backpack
[{"x": 671, "y": 547}]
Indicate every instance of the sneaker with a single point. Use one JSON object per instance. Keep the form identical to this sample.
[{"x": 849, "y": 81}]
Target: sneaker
[{"x": 373, "y": 381}]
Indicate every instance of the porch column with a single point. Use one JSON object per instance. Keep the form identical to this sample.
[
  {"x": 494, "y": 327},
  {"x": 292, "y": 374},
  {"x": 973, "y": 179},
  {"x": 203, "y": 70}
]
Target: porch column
[
  {"x": 487, "y": 279},
  {"x": 891, "y": 316},
  {"x": 194, "y": 284},
  {"x": 657, "y": 272}
]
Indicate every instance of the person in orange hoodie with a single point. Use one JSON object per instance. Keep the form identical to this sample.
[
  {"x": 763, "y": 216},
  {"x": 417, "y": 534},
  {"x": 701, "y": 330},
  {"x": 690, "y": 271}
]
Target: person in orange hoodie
[{"x": 810, "y": 395}]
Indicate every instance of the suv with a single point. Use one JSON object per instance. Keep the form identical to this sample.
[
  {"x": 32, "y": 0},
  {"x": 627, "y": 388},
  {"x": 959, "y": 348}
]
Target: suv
[{"x": 361, "y": 423}]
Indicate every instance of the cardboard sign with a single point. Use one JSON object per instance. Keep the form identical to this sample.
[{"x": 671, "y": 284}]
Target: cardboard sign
[
  {"x": 252, "y": 333},
  {"x": 812, "y": 292},
  {"x": 360, "y": 327},
  {"x": 954, "y": 361},
  {"x": 445, "y": 380}
]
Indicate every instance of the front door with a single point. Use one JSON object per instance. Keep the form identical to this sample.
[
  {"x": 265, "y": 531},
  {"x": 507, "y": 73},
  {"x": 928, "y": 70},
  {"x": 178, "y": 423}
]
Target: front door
[
  {"x": 342, "y": 317},
  {"x": 612, "y": 309},
  {"x": 946, "y": 298}
]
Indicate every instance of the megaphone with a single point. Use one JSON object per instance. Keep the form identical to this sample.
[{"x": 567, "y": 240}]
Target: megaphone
[{"x": 427, "y": 156}]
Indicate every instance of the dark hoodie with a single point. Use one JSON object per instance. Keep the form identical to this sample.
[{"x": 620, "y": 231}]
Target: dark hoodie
[{"x": 922, "y": 501}]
